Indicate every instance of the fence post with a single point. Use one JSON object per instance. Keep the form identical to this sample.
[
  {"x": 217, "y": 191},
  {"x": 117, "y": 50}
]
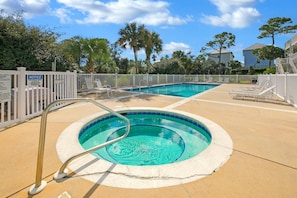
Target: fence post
[
  {"x": 92, "y": 79},
  {"x": 74, "y": 80},
  {"x": 116, "y": 80},
  {"x": 286, "y": 87},
  {"x": 133, "y": 75},
  {"x": 21, "y": 96},
  {"x": 147, "y": 79},
  {"x": 68, "y": 87},
  {"x": 71, "y": 84}
]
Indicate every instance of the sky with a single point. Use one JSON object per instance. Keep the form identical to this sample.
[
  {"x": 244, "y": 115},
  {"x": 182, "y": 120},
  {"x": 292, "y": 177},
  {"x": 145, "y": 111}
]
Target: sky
[{"x": 185, "y": 25}]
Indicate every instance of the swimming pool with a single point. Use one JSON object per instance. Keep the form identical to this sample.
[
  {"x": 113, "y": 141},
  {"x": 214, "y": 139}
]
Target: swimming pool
[
  {"x": 184, "y": 90},
  {"x": 112, "y": 174},
  {"x": 155, "y": 138}
]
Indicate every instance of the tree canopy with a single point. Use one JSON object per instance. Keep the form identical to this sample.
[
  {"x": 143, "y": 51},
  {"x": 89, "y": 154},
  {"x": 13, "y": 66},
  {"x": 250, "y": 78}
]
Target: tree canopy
[
  {"x": 131, "y": 35},
  {"x": 37, "y": 47},
  {"x": 221, "y": 41},
  {"x": 275, "y": 26},
  {"x": 25, "y": 46}
]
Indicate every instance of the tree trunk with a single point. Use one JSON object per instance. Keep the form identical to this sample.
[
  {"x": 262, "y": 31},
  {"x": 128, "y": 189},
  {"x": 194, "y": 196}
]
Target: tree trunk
[{"x": 136, "y": 61}]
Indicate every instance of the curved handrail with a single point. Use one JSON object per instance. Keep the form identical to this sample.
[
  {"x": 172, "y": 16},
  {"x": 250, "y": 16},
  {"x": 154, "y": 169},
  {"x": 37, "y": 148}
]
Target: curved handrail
[
  {"x": 142, "y": 80},
  {"x": 39, "y": 184}
]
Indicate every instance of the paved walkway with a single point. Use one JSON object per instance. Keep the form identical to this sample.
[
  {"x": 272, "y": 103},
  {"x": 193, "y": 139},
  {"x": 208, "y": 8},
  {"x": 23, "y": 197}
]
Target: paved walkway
[{"x": 263, "y": 163}]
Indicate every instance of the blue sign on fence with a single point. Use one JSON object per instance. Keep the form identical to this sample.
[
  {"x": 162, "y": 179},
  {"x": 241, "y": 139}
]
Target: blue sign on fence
[
  {"x": 35, "y": 77},
  {"x": 34, "y": 80}
]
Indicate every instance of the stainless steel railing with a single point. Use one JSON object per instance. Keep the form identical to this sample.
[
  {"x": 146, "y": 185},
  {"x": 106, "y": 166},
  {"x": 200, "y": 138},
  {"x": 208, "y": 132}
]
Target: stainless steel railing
[
  {"x": 139, "y": 86},
  {"x": 39, "y": 184}
]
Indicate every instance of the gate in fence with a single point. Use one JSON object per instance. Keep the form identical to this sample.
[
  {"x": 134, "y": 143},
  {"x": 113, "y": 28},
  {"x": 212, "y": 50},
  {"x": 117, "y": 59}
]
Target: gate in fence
[{"x": 24, "y": 94}]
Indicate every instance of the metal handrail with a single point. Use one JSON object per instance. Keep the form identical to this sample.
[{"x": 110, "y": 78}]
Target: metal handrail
[
  {"x": 39, "y": 184},
  {"x": 147, "y": 80}
]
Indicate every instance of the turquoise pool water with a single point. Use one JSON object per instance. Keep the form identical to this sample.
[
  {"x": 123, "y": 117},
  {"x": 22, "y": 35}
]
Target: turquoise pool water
[
  {"x": 155, "y": 138},
  {"x": 184, "y": 90}
]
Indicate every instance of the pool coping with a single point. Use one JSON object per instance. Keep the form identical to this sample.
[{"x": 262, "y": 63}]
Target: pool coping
[
  {"x": 106, "y": 173},
  {"x": 129, "y": 89}
]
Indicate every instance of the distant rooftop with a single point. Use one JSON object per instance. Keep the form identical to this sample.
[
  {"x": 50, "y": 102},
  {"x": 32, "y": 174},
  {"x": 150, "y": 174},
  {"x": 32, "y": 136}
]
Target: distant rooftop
[
  {"x": 217, "y": 51},
  {"x": 255, "y": 46}
]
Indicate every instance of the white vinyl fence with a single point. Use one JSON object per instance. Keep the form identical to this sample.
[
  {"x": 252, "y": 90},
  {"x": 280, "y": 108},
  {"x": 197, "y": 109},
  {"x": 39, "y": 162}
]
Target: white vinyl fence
[
  {"x": 25, "y": 94},
  {"x": 136, "y": 80},
  {"x": 286, "y": 86}
]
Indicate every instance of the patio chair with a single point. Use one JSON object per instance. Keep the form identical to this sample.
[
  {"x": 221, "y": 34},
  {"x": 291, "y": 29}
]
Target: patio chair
[
  {"x": 258, "y": 87},
  {"x": 89, "y": 84},
  {"x": 99, "y": 87},
  {"x": 102, "y": 88},
  {"x": 263, "y": 93}
]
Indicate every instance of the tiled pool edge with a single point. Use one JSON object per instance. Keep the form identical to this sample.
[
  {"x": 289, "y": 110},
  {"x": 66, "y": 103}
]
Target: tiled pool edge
[{"x": 115, "y": 175}]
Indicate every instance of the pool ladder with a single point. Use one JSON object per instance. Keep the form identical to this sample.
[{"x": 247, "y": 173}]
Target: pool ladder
[
  {"x": 143, "y": 80},
  {"x": 39, "y": 183}
]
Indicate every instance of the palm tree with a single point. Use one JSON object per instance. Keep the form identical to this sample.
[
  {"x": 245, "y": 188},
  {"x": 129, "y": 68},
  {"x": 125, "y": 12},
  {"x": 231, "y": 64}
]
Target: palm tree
[
  {"x": 132, "y": 35},
  {"x": 72, "y": 50},
  {"x": 152, "y": 44},
  {"x": 96, "y": 54}
]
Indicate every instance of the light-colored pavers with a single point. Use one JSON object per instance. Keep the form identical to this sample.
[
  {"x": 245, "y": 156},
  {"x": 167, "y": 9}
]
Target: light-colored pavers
[{"x": 263, "y": 163}]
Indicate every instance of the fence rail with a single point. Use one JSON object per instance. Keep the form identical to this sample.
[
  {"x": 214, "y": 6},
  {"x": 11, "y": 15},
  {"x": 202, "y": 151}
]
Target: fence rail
[
  {"x": 24, "y": 94},
  {"x": 134, "y": 80}
]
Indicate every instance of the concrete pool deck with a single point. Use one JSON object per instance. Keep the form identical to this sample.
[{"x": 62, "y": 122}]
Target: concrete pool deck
[{"x": 263, "y": 162}]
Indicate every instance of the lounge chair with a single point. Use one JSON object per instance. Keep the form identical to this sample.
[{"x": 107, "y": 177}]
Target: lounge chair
[
  {"x": 99, "y": 87},
  {"x": 102, "y": 88},
  {"x": 89, "y": 84},
  {"x": 258, "y": 87},
  {"x": 264, "y": 93}
]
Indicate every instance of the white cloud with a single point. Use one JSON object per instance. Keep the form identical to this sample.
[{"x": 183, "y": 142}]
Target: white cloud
[
  {"x": 228, "y": 6},
  {"x": 29, "y": 8},
  {"x": 171, "y": 47},
  {"x": 63, "y": 15},
  {"x": 155, "y": 19},
  {"x": 147, "y": 12},
  {"x": 234, "y": 13}
]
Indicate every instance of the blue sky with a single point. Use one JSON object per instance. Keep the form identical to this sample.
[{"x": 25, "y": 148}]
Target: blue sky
[{"x": 185, "y": 25}]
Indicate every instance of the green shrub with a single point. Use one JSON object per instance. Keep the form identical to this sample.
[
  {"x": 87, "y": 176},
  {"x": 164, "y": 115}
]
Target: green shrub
[{"x": 270, "y": 70}]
